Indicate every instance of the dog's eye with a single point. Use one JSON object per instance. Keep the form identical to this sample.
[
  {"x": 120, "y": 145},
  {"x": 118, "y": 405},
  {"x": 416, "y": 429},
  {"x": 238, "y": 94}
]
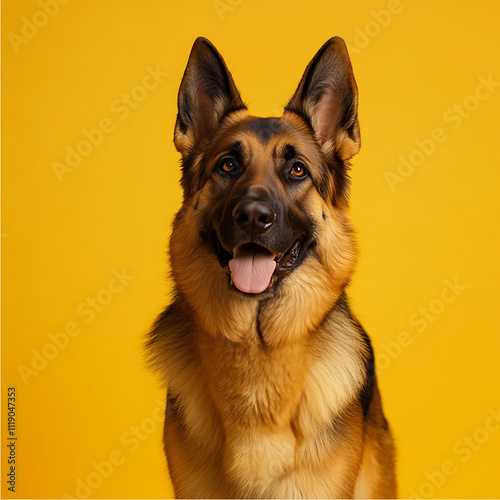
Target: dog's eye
[
  {"x": 298, "y": 170},
  {"x": 228, "y": 165}
]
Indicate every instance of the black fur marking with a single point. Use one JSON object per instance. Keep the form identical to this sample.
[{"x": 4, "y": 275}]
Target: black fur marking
[
  {"x": 337, "y": 169},
  {"x": 288, "y": 152},
  {"x": 325, "y": 186},
  {"x": 173, "y": 406},
  {"x": 236, "y": 150},
  {"x": 265, "y": 128},
  {"x": 366, "y": 393},
  {"x": 259, "y": 331},
  {"x": 341, "y": 177},
  {"x": 223, "y": 256}
]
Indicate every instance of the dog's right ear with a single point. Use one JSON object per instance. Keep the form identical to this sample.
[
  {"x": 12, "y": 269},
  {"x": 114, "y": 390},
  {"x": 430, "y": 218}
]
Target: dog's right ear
[{"x": 206, "y": 95}]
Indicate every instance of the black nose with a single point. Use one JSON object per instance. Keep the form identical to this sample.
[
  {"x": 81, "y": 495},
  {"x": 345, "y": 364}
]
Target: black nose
[{"x": 253, "y": 216}]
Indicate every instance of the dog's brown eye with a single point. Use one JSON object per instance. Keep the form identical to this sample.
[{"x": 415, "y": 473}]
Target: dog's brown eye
[
  {"x": 298, "y": 170},
  {"x": 228, "y": 165}
]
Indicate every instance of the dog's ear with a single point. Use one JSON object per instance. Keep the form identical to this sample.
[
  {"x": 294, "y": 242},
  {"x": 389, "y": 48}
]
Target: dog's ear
[
  {"x": 207, "y": 93},
  {"x": 327, "y": 97}
]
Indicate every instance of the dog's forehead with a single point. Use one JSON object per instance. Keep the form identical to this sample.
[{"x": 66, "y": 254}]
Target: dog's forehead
[
  {"x": 270, "y": 135},
  {"x": 265, "y": 129}
]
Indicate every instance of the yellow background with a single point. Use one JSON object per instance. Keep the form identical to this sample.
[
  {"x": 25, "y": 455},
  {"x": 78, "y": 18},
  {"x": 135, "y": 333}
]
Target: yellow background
[{"x": 63, "y": 240}]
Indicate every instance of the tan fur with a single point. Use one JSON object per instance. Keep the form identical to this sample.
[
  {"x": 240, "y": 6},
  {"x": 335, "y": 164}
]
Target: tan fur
[{"x": 264, "y": 395}]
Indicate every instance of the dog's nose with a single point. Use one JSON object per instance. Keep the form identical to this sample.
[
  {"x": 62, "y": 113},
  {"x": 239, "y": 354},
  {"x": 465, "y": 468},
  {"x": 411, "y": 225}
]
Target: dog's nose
[{"x": 253, "y": 216}]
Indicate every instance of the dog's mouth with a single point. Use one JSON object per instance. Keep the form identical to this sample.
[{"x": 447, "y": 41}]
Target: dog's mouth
[{"x": 254, "y": 268}]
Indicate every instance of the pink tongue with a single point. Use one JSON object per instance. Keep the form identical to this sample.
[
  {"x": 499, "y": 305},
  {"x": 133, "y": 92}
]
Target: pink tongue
[{"x": 252, "y": 268}]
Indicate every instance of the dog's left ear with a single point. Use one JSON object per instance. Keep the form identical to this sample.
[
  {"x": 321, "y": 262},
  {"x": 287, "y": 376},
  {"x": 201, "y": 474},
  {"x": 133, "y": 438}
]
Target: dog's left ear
[
  {"x": 327, "y": 97},
  {"x": 206, "y": 95}
]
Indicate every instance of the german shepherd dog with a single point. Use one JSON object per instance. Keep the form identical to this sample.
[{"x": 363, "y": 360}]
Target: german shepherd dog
[{"x": 271, "y": 383}]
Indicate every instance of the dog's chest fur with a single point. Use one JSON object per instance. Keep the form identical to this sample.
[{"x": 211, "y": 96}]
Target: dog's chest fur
[
  {"x": 250, "y": 381},
  {"x": 275, "y": 406}
]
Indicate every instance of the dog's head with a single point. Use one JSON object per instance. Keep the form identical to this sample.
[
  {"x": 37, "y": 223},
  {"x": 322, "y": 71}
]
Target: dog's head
[{"x": 264, "y": 197}]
